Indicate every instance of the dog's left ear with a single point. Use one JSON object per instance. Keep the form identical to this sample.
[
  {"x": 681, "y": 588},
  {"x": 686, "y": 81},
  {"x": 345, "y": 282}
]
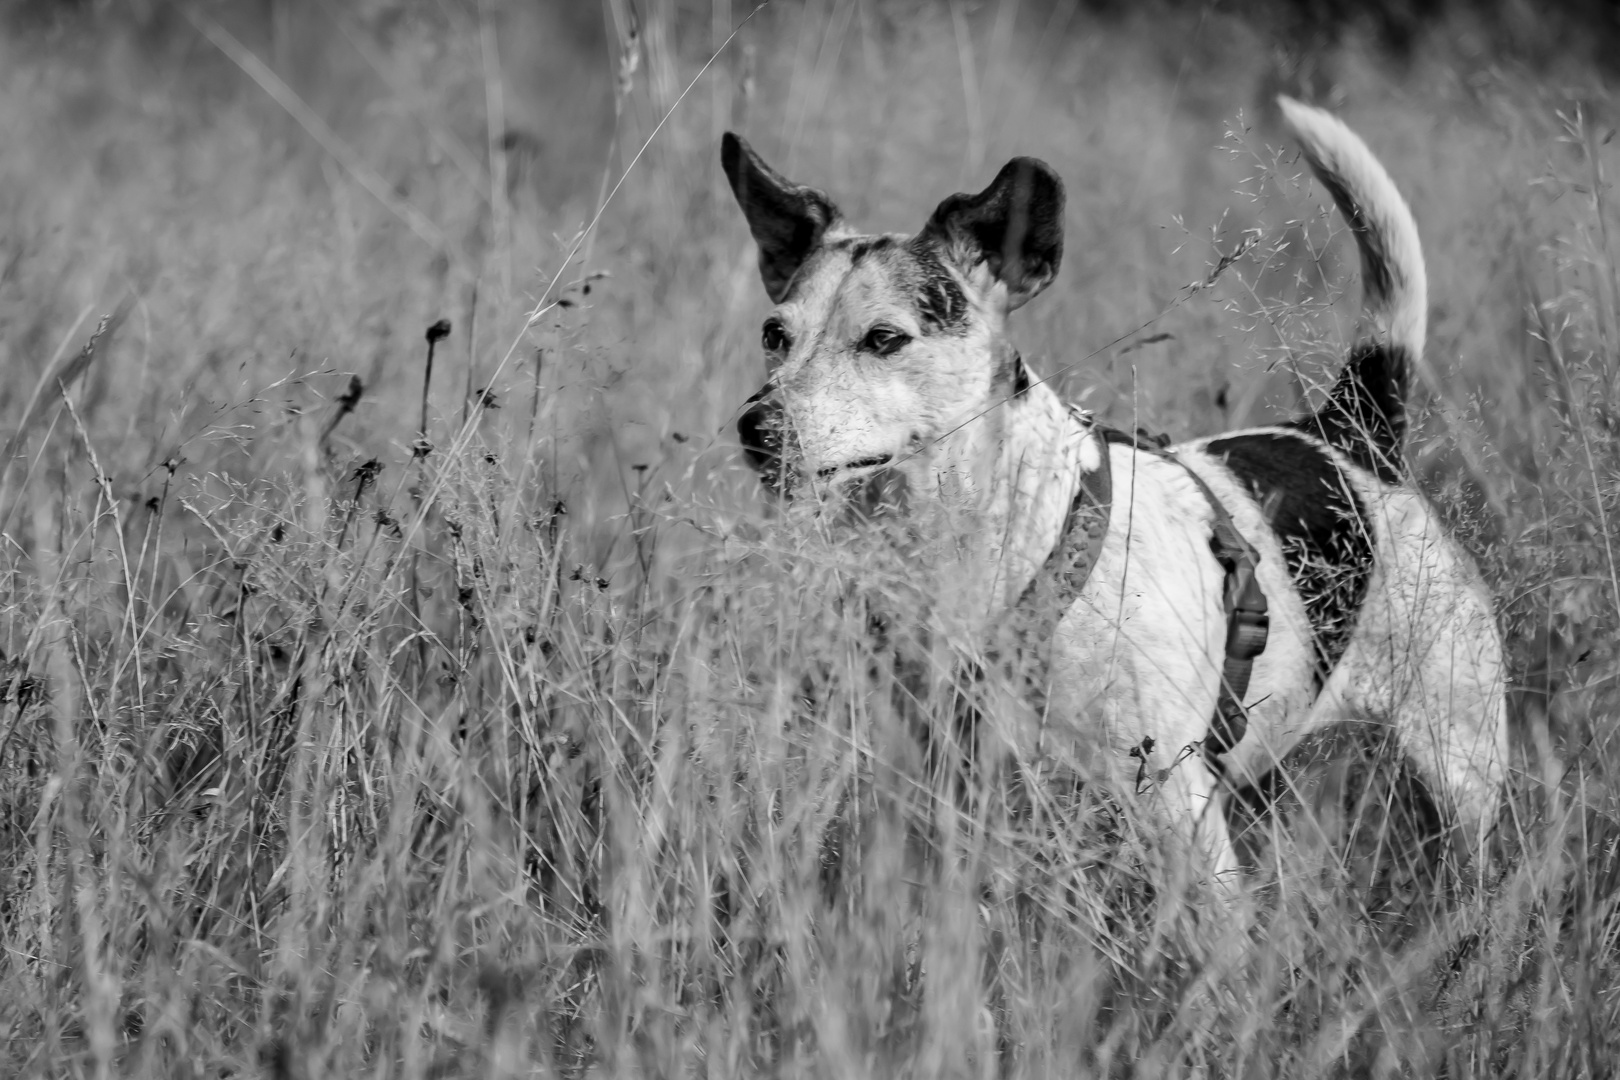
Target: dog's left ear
[
  {"x": 1014, "y": 228},
  {"x": 788, "y": 220}
]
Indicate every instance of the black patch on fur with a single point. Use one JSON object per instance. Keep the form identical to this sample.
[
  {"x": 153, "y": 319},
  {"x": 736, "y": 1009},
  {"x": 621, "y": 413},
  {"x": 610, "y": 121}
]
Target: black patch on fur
[
  {"x": 1011, "y": 375},
  {"x": 940, "y": 301},
  {"x": 1320, "y": 524},
  {"x": 1364, "y": 416},
  {"x": 861, "y": 247},
  {"x": 914, "y": 268}
]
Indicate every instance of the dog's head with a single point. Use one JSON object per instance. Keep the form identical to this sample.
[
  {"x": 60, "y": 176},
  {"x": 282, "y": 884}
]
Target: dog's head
[{"x": 882, "y": 348}]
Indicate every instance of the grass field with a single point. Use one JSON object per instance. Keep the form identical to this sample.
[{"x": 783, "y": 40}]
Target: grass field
[{"x": 356, "y": 723}]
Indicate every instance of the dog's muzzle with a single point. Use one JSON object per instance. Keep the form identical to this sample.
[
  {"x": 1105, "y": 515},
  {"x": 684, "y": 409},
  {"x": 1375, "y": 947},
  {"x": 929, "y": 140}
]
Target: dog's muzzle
[
  {"x": 768, "y": 439},
  {"x": 762, "y": 429}
]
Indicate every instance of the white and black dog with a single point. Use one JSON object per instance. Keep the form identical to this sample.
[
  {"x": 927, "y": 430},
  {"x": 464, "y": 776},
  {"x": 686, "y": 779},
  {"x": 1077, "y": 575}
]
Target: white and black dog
[{"x": 889, "y": 354}]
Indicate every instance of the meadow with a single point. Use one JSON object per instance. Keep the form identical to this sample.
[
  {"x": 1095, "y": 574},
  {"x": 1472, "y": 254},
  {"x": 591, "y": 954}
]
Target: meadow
[{"x": 402, "y": 675}]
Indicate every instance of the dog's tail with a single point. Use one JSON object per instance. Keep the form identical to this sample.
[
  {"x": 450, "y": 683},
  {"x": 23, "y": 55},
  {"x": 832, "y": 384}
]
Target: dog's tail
[{"x": 1365, "y": 412}]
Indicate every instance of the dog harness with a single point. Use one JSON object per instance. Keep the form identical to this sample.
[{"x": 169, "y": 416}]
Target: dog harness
[{"x": 1080, "y": 543}]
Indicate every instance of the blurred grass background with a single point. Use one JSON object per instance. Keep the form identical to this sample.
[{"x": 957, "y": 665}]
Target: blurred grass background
[{"x": 540, "y": 750}]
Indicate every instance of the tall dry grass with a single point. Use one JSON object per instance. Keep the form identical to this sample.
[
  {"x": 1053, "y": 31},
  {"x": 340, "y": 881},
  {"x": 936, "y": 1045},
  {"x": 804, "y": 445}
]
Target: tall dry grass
[{"x": 530, "y": 744}]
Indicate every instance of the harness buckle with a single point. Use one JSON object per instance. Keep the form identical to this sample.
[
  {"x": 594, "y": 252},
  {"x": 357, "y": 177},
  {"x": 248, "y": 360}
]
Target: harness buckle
[{"x": 1248, "y": 623}]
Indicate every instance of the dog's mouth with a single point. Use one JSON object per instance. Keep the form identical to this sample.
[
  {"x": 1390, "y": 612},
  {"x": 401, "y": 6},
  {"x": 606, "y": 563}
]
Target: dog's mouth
[{"x": 850, "y": 468}]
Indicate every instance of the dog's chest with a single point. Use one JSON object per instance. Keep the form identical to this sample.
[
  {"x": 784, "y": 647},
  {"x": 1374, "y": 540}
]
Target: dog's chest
[{"x": 1140, "y": 634}]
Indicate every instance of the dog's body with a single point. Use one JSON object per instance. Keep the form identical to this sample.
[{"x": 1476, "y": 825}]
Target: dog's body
[{"x": 888, "y": 355}]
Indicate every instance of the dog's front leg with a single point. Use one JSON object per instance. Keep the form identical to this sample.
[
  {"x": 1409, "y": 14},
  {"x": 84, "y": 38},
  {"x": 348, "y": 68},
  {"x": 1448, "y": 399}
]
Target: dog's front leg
[
  {"x": 1151, "y": 749},
  {"x": 1181, "y": 799},
  {"x": 1132, "y": 716},
  {"x": 1135, "y": 677}
]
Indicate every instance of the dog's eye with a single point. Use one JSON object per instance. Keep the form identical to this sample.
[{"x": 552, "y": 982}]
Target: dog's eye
[
  {"x": 775, "y": 336},
  {"x": 884, "y": 340}
]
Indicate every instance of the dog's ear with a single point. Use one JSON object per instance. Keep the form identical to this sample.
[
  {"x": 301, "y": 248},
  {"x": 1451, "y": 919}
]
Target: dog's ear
[
  {"x": 1014, "y": 228},
  {"x": 788, "y": 220}
]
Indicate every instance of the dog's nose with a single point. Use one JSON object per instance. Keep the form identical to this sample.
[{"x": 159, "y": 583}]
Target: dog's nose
[{"x": 760, "y": 429}]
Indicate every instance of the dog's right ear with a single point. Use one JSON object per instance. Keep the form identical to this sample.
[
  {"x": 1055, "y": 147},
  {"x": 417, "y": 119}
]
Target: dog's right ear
[
  {"x": 788, "y": 220},
  {"x": 1013, "y": 229}
]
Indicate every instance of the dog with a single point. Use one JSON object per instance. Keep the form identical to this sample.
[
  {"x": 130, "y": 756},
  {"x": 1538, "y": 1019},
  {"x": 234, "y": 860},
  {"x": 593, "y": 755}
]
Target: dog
[{"x": 889, "y": 356}]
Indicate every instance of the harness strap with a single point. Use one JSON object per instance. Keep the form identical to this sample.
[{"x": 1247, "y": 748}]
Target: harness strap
[
  {"x": 1248, "y": 624},
  {"x": 1080, "y": 543},
  {"x": 1057, "y": 585}
]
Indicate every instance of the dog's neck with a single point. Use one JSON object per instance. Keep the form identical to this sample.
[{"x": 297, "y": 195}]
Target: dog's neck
[{"x": 1024, "y": 463}]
